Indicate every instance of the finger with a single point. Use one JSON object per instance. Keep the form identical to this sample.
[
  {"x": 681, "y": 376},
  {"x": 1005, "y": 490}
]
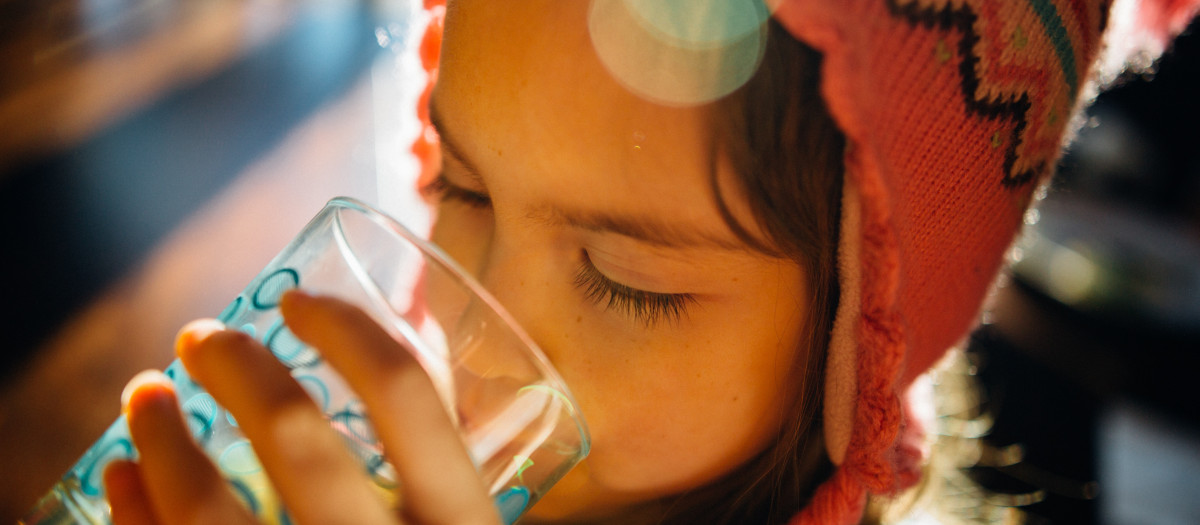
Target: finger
[
  {"x": 440, "y": 483},
  {"x": 179, "y": 481},
  {"x": 308, "y": 464},
  {"x": 127, "y": 494}
]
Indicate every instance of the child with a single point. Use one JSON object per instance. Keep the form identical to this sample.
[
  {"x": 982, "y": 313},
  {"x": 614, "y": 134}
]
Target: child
[{"x": 741, "y": 282}]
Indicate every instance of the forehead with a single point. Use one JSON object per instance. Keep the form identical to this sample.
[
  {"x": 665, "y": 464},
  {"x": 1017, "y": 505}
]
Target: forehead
[{"x": 521, "y": 83}]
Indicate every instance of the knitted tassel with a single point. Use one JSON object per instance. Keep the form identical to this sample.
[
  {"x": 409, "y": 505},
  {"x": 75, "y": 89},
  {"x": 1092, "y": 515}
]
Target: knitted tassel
[{"x": 839, "y": 501}]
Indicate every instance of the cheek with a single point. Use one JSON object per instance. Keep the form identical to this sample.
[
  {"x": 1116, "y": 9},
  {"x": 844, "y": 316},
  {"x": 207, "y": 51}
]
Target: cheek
[{"x": 677, "y": 414}]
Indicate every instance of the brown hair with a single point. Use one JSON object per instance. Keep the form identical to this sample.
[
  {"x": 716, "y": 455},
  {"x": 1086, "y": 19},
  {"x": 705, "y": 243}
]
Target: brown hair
[{"x": 788, "y": 154}]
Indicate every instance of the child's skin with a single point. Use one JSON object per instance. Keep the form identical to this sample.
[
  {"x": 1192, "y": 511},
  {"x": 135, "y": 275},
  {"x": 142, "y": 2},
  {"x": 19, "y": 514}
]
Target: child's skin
[{"x": 549, "y": 166}]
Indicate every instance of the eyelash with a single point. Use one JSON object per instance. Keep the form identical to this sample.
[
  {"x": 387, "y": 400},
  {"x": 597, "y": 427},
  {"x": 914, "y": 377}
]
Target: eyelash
[
  {"x": 443, "y": 189},
  {"x": 649, "y": 308}
]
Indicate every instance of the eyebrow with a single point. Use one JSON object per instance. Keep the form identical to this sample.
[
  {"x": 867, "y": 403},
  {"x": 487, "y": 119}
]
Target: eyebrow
[{"x": 647, "y": 229}]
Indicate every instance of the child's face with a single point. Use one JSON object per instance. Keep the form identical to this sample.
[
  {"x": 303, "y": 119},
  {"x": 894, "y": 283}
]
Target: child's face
[{"x": 590, "y": 186}]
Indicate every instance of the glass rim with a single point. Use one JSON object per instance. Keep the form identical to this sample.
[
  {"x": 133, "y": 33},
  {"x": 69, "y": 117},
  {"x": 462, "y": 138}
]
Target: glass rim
[{"x": 434, "y": 253}]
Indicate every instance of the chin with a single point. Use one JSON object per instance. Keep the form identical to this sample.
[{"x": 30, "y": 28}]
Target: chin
[
  {"x": 579, "y": 499},
  {"x": 569, "y": 501}
]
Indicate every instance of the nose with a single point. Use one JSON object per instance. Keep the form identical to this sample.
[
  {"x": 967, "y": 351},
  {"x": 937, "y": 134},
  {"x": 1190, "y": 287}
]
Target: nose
[
  {"x": 512, "y": 276},
  {"x": 498, "y": 265},
  {"x": 508, "y": 406}
]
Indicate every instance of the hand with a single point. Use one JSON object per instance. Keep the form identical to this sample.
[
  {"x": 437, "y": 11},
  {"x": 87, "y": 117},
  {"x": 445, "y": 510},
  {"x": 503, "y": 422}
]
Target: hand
[{"x": 316, "y": 477}]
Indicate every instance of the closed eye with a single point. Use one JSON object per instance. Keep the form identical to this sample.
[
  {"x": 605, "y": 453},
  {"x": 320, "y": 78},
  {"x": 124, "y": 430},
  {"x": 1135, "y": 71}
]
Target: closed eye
[
  {"x": 441, "y": 188},
  {"x": 648, "y": 308}
]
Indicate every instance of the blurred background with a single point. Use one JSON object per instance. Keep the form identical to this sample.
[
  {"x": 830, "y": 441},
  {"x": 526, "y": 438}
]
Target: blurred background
[
  {"x": 1087, "y": 355},
  {"x": 155, "y": 154}
]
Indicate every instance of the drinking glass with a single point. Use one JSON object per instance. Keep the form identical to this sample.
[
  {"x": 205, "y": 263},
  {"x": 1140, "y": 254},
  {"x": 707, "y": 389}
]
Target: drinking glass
[{"x": 515, "y": 415}]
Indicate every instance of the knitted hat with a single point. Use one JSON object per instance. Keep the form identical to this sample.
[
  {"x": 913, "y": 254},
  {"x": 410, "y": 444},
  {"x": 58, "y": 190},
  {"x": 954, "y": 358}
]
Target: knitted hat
[{"x": 953, "y": 111}]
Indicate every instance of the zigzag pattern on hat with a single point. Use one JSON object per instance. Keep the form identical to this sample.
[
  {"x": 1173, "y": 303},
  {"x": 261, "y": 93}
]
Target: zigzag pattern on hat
[{"x": 1020, "y": 61}]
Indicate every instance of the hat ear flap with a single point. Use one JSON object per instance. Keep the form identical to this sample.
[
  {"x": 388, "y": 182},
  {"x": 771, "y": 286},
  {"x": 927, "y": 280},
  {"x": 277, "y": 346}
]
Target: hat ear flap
[{"x": 841, "y": 361}]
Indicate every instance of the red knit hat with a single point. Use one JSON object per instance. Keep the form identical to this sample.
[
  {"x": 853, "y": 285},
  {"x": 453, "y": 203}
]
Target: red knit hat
[{"x": 954, "y": 111}]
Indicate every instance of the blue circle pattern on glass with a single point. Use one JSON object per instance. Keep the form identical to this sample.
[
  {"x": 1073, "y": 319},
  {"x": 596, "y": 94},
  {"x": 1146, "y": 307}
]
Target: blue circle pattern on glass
[
  {"x": 91, "y": 481},
  {"x": 316, "y": 390},
  {"x": 239, "y": 458},
  {"x": 267, "y": 295},
  {"x": 356, "y": 430},
  {"x": 202, "y": 412},
  {"x": 511, "y": 503},
  {"x": 287, "y": 348},
  {"x": 233, "y": 310},
  {"x": 246, "y": 495}
]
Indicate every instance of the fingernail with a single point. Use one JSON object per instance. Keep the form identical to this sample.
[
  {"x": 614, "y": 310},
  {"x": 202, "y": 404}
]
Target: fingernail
[
  {"x": 195, "y": 332},
  {"x": 143, "y": 378}
]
